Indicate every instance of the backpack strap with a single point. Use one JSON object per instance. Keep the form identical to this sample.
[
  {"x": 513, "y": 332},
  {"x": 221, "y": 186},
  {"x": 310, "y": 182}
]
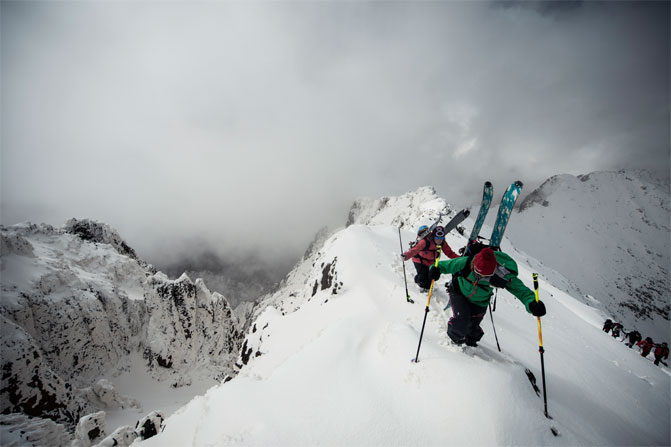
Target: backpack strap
[{"x": 427, "y": 244}]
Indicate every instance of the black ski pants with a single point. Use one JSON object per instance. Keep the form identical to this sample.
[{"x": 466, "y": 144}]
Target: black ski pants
[
  {"x": 464, "y": 326},
  {"x": 422, "y": 276}
]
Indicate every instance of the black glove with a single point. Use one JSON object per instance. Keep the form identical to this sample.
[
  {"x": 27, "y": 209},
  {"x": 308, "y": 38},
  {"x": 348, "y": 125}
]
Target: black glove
[
  {"x": 434, "y": 273},
  {"x": 537, "y": 308}
]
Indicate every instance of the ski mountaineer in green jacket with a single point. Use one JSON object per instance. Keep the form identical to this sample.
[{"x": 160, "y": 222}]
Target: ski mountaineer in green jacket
[{"x": 471, "y": 289}]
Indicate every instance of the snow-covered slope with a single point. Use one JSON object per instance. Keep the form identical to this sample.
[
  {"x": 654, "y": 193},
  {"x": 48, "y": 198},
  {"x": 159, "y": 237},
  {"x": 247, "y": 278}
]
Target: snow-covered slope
[
  {"x": 328, "y": 362},
  {"x": 610, "y": 233},
  {"x": 78, "y": 306}
]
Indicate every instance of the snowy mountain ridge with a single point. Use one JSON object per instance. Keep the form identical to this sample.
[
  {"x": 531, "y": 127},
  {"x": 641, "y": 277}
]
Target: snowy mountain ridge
[
  {"x": 610, "y": 235},
  {"x": 327, "y": 361},
  {"x": 325, "y": 357},
  {"x": 79, "y": 308},
  {"x": 422, "y": 205}
]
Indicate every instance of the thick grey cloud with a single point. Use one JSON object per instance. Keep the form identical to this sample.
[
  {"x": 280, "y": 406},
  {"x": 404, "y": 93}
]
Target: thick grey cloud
[{"x": 245, "y": 124}]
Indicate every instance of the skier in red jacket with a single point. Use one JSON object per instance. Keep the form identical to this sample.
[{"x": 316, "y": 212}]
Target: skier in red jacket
[
  {"x": 645, "y": 345},
  {"x": 661, "y": 351},
  {"x": 424, "y": 254}
]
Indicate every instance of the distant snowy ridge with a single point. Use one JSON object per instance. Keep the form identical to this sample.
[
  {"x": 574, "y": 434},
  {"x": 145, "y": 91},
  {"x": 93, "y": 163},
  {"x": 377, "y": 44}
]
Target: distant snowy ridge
[
  {"x": 77, "y": 304},
  {"x": 422, "y": 206},
  {"x": 610, "y": 232}
]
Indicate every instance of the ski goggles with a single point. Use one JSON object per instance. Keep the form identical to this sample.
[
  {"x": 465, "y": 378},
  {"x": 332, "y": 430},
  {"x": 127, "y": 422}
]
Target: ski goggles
[
  {"x": 439, "y": 234},
  {"x": 480, "y": 277}
]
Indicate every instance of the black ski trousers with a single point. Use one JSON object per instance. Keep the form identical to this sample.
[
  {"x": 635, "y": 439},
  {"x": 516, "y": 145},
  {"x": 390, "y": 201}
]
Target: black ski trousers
[
  {"x": 422, "y": 276},
  {"x": 464, "y": 326}
]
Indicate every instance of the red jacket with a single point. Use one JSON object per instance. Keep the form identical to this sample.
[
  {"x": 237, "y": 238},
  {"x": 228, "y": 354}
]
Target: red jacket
[
  {"x": 661, "y": 352},
  {"x": 425, "y": 252},
  {"x": 646, "y": 346}
]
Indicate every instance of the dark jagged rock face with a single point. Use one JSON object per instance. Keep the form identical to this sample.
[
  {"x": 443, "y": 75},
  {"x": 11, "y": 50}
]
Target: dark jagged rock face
[
  {"x": 29, "y": 386},
  {"x": 99, "y": 233}
]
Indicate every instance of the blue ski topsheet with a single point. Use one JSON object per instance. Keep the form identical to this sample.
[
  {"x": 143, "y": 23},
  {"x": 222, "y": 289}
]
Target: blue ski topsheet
[
  {"x": 505, "y": 209},
  {"x": 487, "y": 193}
]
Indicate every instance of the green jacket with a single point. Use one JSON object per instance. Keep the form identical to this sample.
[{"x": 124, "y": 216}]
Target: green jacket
[{"x": 506, "y": 273}]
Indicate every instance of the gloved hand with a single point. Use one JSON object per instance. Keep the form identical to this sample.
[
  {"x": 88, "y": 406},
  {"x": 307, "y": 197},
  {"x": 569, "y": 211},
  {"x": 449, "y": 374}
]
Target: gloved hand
[
  {"x": 537, "y": 308},
  {"x": 434, "y": 273}
]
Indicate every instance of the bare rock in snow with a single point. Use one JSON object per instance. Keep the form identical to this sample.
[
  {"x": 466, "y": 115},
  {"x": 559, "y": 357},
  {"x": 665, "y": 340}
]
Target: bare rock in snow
[{"x": 90, "y": 430}]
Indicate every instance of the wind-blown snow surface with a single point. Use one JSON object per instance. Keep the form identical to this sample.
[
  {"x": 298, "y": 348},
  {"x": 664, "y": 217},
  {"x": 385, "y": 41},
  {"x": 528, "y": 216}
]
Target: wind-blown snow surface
[
  {"x": 609, "y": 232},
  {"x": 329, "y": 363}
]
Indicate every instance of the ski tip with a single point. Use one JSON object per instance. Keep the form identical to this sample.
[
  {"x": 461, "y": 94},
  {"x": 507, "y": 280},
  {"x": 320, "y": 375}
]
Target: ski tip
[
  {"x": 554, "y": 431},
  {"x": 519, "y": 183},
  {"x": 488, "y": 184}
]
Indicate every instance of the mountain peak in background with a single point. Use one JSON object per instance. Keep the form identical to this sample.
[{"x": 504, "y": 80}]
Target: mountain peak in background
[
  {"x": 608, "y": 232},
  {"x": 98, "y": 232}
]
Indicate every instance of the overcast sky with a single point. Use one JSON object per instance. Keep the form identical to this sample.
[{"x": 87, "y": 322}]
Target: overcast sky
[{"x": 224, "y": 124}]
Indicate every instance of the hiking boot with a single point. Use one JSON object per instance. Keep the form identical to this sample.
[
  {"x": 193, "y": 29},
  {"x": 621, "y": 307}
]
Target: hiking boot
[
  {"x": 458, "y": 341},
  {"x": 471, "y": 342}
]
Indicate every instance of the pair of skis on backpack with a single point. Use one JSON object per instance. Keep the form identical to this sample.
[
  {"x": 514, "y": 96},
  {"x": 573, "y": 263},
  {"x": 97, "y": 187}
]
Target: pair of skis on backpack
[
  {"x": 503, "y": 216},
  {"x": 505, "y": 210}
]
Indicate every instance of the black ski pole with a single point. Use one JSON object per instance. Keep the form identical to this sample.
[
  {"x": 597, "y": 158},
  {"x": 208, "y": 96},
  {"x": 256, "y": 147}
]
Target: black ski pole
[
  {"x": 541, "y": 349},
  {"x": 426, "y": 311},
  {"x": 405, "y": 279},
  {"x": 493, "y": 327}
]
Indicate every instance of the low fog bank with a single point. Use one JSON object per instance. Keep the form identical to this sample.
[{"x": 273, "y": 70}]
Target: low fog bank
[{"x": 239, "y": 277}]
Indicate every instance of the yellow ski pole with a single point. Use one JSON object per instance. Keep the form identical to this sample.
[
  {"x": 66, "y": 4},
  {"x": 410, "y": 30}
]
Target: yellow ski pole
[
  {"x": 541, "y": 349},
  {"x": 426, "y": 311}
]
